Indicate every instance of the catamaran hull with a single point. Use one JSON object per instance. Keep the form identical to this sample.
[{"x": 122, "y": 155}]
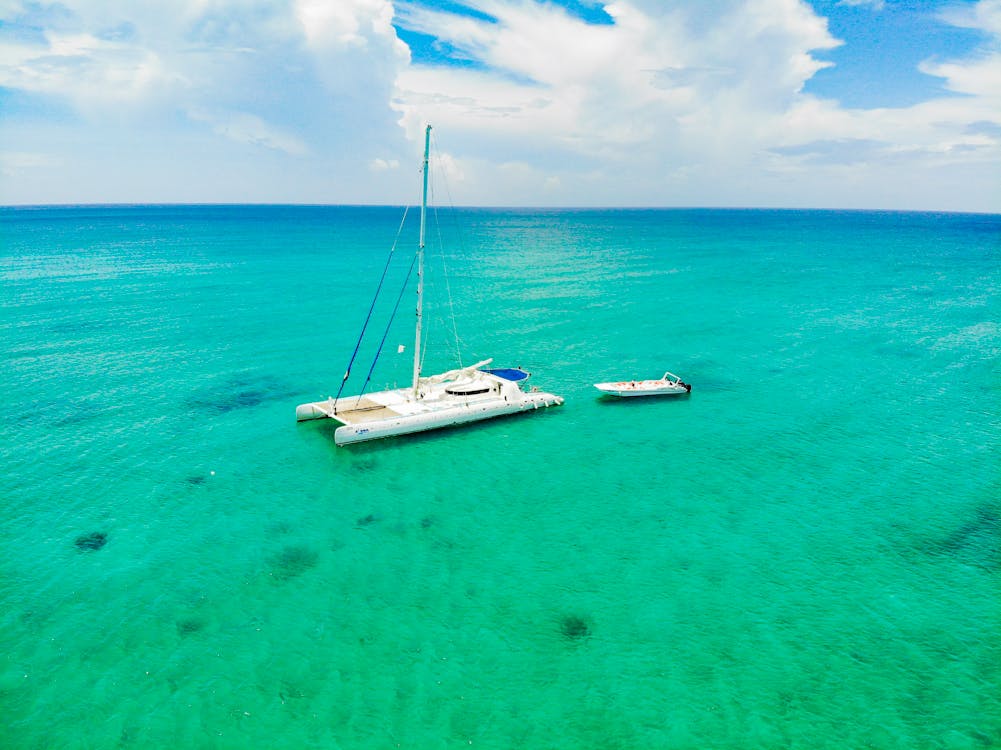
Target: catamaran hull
[
  {"x": 458, "y": 415},
  {"x": 306, "y": 412}
]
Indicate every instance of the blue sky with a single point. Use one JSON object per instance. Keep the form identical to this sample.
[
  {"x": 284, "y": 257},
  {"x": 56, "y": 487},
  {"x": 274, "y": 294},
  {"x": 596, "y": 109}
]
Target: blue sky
[
  {"x": 879, "y": 63},
  {"x": 785, "y": 103}
]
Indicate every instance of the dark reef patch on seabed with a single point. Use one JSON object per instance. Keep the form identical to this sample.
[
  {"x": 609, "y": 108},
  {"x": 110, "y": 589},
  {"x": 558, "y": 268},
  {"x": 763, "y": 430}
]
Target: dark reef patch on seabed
[
  {"x": 189, "y": 625},
  {"x": 79, "y": 412},
  {"x": 976, "y": 542},
  {"x": 58, "y": 413},
  {"x": 365, "y": 465},
  {"x": 574, "y": 628},
  {"x": 366, "y": 520},
  {"x": 239, "y": 393},
  {"x": 91, "y": 542},
  {"x": 292, "y": 561}
]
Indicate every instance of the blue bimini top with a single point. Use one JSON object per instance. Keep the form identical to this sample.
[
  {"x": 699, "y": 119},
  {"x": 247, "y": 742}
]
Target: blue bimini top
[{"x": 509, "y": 373}]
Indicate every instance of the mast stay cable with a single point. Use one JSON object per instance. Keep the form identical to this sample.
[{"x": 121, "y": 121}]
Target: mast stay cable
[
  {"x": 392, "y": 317},
  {"x": 443, "y": 179},
  {"x": 368, "y": 317}
]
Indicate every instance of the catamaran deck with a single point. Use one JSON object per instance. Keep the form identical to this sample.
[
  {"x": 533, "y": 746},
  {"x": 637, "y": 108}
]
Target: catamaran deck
[{"x": 346, "y": 412}]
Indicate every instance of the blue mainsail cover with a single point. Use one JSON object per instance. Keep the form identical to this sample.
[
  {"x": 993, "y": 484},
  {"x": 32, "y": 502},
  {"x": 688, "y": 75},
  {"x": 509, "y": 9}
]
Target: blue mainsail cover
[{"x": 513, "y": 374}]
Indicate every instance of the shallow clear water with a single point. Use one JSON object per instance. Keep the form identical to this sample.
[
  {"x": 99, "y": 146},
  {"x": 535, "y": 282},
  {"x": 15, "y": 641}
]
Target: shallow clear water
[{"x": 804, "y": 553}]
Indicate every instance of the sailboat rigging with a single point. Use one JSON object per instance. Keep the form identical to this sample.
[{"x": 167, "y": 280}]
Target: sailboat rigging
[{"x": 459, "y": 396}]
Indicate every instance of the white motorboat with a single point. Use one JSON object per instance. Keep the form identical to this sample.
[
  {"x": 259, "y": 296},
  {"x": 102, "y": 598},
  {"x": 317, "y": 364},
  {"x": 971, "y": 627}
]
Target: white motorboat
[
  {"x": 669, "y": 385},
  {"x": 459, "y": 396}
]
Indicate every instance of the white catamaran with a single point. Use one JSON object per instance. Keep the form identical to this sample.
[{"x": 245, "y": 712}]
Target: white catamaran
[{"x": 467, "y": 394}]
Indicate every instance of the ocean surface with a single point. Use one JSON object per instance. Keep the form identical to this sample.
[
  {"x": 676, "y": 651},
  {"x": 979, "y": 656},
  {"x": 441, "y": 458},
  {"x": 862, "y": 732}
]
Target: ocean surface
[{"x": 803, "y": 553}]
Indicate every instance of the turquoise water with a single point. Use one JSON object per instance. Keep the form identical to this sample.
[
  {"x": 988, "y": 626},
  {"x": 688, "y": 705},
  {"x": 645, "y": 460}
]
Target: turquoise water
[{"x": 804, "y": 553}]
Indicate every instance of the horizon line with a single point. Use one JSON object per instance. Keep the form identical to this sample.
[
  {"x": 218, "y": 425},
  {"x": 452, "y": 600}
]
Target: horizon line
[{"x": 265, "y": 204}]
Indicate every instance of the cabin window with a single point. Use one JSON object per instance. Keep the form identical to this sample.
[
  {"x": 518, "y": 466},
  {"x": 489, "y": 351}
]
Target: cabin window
[{"x": 464, "y": 392}]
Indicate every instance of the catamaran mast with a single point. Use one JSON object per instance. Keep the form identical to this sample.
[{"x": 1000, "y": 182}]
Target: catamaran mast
[{"x": 420, "y": 266}]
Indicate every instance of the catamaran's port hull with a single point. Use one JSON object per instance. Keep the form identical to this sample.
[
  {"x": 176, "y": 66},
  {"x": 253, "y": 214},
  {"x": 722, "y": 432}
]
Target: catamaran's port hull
[
  {"x": 408, "y": 424},
  {"x": 306, "y": 412}
]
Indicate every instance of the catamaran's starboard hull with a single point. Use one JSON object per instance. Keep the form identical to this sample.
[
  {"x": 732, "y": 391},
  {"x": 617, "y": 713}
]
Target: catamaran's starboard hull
[{"x": 454, "y": 416}]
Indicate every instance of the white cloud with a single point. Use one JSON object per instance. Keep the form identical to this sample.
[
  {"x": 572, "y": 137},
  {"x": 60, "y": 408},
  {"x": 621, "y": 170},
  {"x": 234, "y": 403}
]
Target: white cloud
[
  {"x": 258, "y": 72},
  {"x": 347, "y": 23},
  {"x": 683, "y": 103},
  {"x": 979, "y": 75},
  {"x": 13, "y": 163},
  {"x": 668, "y": 83},
  {"x": 243, "y": 127},
  {"x": 673, "y": 103},
  {"x": 874, "y": 4},
  {"x": 90, "y": 71},
  {"x": 984, "y": 15},
  {"x": 353, "y": 42}
]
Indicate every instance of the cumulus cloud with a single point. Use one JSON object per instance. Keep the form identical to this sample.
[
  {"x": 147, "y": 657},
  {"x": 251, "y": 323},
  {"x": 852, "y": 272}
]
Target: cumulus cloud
[
  {"x": 984, "y": 15},
  {"x": 637, "y": 95},
  {"x": 384, "y": 164},
  {"x": 290, "y": 77},
  {"x": 196, "y": 42},
  {"x": 90, "y": 70},
  {"x": 686, "y": 102}
]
